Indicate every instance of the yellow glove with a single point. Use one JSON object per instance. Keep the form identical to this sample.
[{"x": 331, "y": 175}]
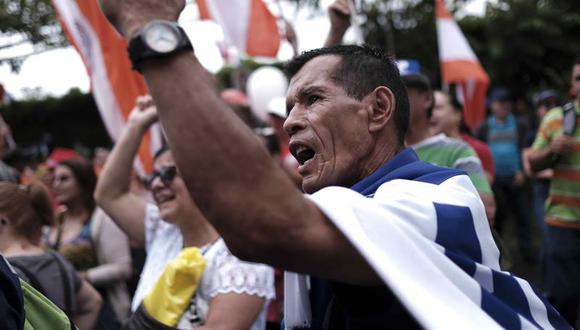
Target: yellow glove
[{"x": 171, "y": 295}]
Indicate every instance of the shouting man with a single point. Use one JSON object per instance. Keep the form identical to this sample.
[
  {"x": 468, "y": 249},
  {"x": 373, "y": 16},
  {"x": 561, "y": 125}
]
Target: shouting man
[{"x": 401, "y": 243}]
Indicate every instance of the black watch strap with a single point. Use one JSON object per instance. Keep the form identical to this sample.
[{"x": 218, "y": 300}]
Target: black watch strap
[{"x": 140, "y": 52}]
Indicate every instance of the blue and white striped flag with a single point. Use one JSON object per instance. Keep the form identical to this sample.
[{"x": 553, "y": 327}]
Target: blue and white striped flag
[{"x": 424, "y": 231}]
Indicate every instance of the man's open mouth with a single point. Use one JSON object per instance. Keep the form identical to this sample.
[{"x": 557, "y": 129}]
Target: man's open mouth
[{"x": 302, "y": 153}]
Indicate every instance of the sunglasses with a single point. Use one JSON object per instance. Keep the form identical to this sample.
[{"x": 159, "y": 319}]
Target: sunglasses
[
  {"x": 166, "y": 174},
  {"x": 577, "y": 78}
]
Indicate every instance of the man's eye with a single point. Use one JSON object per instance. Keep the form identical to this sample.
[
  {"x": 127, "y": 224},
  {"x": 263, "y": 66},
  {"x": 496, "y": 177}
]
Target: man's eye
[{"x": 312, "y": 99}]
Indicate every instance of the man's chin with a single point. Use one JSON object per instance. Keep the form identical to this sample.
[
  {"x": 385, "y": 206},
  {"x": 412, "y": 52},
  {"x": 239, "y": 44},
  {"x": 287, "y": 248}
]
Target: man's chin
[{"x": 310, "y": 185}]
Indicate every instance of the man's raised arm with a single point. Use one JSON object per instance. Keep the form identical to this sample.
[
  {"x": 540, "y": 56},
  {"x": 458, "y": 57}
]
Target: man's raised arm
[{"x": 238, "y": 186}]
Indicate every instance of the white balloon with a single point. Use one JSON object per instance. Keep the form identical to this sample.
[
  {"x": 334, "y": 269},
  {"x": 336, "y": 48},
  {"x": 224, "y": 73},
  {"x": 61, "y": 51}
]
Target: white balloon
[{"x": 265, "y": 84}]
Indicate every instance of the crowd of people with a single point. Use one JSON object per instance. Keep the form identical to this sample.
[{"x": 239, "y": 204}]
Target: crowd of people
[{"x": 366, "y": 202}]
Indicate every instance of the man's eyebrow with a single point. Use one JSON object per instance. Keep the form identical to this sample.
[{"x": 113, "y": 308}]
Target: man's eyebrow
[{"x": 303, "y": 92}]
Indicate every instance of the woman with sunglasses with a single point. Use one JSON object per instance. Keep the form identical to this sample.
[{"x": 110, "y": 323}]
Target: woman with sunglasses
[
  {"x": 24, "y": 210},
  {"x": 232, "y": 294},
  {"x": 90, "y": 240}
]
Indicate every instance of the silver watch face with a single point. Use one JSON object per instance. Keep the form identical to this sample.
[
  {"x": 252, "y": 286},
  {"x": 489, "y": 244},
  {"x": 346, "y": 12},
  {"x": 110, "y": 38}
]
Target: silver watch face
[{"x": 162, "y": 38}]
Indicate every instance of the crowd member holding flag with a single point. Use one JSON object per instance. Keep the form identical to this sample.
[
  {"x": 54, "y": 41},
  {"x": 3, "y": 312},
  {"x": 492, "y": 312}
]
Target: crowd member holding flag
[
  {"x": 402, "y": 243},
  {"x": 231, "y": 294}
]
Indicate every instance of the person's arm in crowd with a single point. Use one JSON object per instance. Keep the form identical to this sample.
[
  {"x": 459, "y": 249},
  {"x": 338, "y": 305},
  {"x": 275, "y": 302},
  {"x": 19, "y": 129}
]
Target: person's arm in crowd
[
  {"x": 113, "y": 252},
  {"x": 221, "y": 160},
  {"x": 291, "y": 37},
  {"x": 339, "y": 13},
  {"x": 113, "y": 188},
  {"x": 543, "y": 174},
  {"x": 242, "y": 311},
  {"x": 541, "y": 159},
  {"x": 89, "y": 303},
  {"x": 549, "y": 145}
]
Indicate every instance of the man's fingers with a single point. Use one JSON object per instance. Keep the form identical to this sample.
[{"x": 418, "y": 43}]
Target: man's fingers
[
  {"x": 342, "y": 10},
  {"x": 341, "y": 7}
]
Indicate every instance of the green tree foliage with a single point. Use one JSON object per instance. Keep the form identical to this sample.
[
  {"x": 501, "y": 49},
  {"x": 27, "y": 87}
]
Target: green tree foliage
[
  {"x": 28, "y": 21},
  {"x": 527, "y": 44},
  {"x": 524, "y": 45},
  {"x": 69, "y": 121}
]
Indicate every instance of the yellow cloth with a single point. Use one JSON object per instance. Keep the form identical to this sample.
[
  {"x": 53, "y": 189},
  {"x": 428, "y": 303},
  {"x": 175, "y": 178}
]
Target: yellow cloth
[{"x": 171, "y": 295}]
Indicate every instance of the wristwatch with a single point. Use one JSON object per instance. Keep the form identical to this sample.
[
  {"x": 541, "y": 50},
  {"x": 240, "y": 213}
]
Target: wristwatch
[{"x": 157, "y": 39}]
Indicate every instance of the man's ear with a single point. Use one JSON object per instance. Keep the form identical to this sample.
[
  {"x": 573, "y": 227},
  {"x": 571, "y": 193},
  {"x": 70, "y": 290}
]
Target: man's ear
[{"x": 382, "y": 108}]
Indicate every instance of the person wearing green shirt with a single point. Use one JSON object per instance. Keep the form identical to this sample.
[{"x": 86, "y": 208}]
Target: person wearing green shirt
[
  {"x": 440, "y": 149},
  {"x": 557, "y": 146}
]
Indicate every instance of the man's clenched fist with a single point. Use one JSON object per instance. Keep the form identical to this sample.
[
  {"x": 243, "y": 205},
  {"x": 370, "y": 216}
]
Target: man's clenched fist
[{"x": 129, "y": 16}]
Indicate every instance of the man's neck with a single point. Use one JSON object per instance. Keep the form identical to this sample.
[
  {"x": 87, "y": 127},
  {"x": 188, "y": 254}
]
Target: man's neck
[
  {"x": 417, "y": 132},
  {"x": 455, "y": 134},
  {"x": 380, "y": 157}
]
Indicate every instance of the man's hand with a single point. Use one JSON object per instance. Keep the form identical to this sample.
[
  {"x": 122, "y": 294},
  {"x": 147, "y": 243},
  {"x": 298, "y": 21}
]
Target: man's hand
[
  {"x": 519, "y": 179},
  {"x": 129, "y": 16},
  {"x": 290, "y": 35},
  {"x": 339, "y": 13},
  {"x": 562, "y": 145},
  {"x": 144, "y": 114}
]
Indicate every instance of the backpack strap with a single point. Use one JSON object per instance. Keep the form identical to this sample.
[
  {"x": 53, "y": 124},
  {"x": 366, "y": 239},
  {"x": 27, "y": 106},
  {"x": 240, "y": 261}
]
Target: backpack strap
[
  {"x": 569, "y": 119},
  {"x": 27, "y": 275}
]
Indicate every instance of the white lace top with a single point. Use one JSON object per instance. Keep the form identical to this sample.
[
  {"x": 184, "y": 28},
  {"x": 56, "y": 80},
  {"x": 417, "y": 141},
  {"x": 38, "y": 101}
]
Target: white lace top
[{"x": 225, "y": 273}]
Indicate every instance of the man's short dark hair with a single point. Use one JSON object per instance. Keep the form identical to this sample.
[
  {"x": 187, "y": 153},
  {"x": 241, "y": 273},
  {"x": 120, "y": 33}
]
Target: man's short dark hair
[
  {"x": 418, "y": 82},
  {"x": 360, "y": 71},
  {"x": 577, "y": 60},
  {"x": 421, "y": 83}
]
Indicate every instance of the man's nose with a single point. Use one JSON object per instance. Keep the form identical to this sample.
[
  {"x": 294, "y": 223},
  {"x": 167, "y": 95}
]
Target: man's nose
[{"x": 294, "y": 122}]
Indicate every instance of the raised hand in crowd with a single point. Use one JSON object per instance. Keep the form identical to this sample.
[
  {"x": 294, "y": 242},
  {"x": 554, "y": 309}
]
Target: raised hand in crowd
[
  {"x": 113, "y": 188},
  {"x": 128, "y": 16},
  {"x": 339, "y": 13}
]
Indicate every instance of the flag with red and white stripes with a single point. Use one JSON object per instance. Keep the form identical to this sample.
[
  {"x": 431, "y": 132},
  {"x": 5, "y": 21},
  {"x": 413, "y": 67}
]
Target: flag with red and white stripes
[
  {"x": 460, "y": 66},
  {"x": 113, "y": 83},
  {"x": 248, "y": 25}
]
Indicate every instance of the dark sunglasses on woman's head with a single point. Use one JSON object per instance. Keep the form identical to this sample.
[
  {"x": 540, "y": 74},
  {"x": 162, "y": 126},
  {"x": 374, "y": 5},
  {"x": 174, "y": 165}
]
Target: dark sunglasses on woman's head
[{"x": 166, "y": 174}]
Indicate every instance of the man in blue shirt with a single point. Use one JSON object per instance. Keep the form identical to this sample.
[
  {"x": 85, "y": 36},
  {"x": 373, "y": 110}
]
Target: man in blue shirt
[{"x": 506, "y": 137}]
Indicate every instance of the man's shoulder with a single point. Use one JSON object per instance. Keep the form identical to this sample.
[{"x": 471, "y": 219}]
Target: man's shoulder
[
  {"x": 554, "y": 114},
  {"x": 445, "y": 151}
]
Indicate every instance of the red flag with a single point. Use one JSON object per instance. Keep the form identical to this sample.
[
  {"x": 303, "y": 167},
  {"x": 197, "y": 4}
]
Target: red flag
[
  {"x": 104, "y": 52},
  {"x": 247, "y": 24},
  {"x": 460, "y": 66}
]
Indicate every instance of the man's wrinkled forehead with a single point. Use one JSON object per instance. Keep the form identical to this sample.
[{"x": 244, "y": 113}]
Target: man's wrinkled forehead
[
  {"x": 318, "y": 68},
  {"x": 316, "y": 73}
]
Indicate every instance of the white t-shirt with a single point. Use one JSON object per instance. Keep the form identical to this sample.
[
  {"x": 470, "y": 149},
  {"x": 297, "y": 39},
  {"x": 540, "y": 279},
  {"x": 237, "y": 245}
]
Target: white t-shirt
[
  {"x": 163, "y": 242},
  {"x": 224, "y": 273}
]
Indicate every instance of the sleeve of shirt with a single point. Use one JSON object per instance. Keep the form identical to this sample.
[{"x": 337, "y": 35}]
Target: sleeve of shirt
[
  {"x": 545, "y": 131},
  {"x": 235, "y": 276},
  {"x": 468, "y": 161}
]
